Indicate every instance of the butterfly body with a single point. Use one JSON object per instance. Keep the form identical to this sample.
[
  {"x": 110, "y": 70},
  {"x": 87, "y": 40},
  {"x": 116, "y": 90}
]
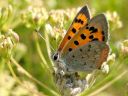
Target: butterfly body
[{"x": 85, "y": 45}]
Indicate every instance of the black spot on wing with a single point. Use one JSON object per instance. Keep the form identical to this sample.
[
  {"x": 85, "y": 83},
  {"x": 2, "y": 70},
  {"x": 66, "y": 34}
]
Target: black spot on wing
[
  {"x": 81, "y": 50},
  {"x": 82, "y": 22},
  {"x": 87, "y": 24},
  {"x": 69, "y": 37},
  {"x": 73, "y": 56},
  {"x": 70, "y": 49},
  {"x": 79, "y": 21},
  {"x": 76, "y": 42},
  {"x": 89, "y": 46},
  {"x": 94, "y": 31},
  {"x": 87, "y": 27},
  {"x": 83, "y": 36},
  {"x": 91, "y": 37},
  {"x": 91, "y": 28},
  {"x": 102, "y": 32},
  {"x": 103, "y": 38},
  {"x": 73, "y": 30},
  {"x": 95, "y": 39},
  {"x": 76, "y": 20},
  {"x": 82, "y": 57}
]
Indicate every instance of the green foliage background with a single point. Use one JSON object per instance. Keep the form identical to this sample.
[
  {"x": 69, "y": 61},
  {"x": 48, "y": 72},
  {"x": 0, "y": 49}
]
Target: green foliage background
[{"x": 25, "y": 66}]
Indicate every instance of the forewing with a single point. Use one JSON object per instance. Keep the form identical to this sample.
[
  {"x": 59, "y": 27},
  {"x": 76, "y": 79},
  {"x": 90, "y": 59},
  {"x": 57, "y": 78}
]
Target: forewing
[
  {"x": 95, "y": 30},
  {"x": 79, "y": 21}
]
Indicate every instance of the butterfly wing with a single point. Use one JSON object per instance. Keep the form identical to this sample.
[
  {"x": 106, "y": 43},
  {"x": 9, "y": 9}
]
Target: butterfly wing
[
  {"x": 87, "y": 57},
  {"x": 88, "y": 49},
  {"x": 95, "y": 30},
  {"x": 79, "y": 21}
]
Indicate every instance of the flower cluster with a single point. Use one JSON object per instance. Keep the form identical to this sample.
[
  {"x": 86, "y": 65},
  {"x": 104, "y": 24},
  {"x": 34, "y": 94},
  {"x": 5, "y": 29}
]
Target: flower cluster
[{"x": 8, "y": 42}]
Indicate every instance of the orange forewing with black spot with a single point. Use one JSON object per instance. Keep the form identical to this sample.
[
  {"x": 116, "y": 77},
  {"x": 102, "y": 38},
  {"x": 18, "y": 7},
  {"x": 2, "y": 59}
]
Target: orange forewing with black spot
[
  {"x": 80, "y": 21},
  {"x": 96, "y": 29}
]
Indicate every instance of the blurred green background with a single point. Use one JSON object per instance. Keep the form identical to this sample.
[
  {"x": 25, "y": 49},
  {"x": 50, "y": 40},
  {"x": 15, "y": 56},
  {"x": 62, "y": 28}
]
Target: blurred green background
[{"x": 25, "y": 64}]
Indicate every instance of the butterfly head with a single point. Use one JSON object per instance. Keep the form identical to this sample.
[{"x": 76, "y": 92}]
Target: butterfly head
[
  {"x": 56, "y": 56},
  {"x": 59, "y": 62}
]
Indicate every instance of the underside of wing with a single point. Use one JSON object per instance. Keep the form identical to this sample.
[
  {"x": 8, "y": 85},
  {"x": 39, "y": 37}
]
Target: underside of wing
[
  {"x": 79, "y": 21},
  {"x": 87, "y": 57},
  {"x": 95, "y": 30}
]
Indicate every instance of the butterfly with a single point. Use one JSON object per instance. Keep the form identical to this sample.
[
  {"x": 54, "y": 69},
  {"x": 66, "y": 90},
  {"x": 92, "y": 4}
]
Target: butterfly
[{"x": 85, "y": 45}]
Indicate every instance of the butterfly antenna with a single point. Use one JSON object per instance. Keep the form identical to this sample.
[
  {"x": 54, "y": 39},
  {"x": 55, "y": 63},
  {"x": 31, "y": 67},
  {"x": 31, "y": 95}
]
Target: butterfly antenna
[{"x": 44, "y": 39}]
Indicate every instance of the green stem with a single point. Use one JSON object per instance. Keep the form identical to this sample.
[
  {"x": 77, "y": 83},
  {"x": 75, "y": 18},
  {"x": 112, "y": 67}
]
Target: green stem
[{"x": 29, "y": 75}]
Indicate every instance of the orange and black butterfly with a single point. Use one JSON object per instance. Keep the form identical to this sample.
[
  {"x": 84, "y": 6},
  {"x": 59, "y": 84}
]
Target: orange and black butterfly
[{"x": 84, "y": 47}]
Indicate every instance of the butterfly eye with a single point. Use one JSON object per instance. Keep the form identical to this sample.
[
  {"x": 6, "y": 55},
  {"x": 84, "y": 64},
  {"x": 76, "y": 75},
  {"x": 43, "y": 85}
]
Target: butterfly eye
[{"x": 55, "y": 56}]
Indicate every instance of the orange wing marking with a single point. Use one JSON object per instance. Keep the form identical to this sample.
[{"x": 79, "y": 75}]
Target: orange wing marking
[{"x": 78, "y": 23}]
